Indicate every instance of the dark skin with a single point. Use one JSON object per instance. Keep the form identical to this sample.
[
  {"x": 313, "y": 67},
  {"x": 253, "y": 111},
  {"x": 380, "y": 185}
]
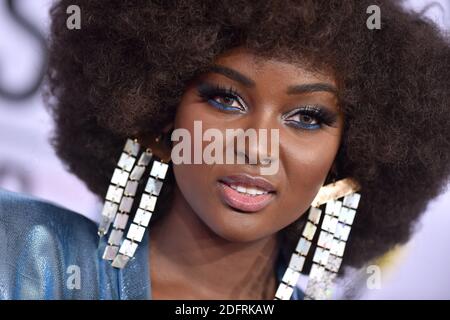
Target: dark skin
[{"x": 204, "y": 249}]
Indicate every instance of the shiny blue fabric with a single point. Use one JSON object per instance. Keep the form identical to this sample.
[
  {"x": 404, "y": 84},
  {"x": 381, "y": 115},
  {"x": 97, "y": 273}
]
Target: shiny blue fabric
[{"x": 43, "y": 247}]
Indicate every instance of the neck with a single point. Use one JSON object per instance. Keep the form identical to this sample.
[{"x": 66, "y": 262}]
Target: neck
[{"x": 188, "y": 260}]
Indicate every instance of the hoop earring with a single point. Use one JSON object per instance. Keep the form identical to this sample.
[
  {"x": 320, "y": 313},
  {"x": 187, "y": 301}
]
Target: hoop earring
[{"x": 335, "y": 230}]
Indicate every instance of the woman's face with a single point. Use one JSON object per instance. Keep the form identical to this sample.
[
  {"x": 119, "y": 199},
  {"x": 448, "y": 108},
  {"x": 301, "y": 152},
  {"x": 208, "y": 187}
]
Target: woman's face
[{"x": 237, "y": 201}]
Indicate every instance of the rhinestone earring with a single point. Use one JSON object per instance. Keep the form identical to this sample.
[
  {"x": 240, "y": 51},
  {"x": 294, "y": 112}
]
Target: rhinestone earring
[
  {"x": 122, "y": 181},
  {"x": 120, "y": 198},
  {"x": 121, "y": 193},
  {"x": 143, "y": 214},
  {"x": 335, "y": 230}
]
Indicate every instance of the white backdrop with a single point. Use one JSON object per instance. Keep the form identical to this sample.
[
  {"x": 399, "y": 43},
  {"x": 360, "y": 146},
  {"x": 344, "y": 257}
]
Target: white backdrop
[{"x": 28, "y": 164}]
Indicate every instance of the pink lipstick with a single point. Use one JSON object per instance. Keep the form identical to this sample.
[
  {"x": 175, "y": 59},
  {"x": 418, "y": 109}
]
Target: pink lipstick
[{"x": 245, "y": 192}]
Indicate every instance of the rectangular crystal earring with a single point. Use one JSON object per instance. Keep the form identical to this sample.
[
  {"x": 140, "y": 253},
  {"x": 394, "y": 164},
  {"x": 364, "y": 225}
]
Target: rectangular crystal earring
[
  {"x": 295, "y": 266},
  {"x": 327, "y": 260},
  {"x": 147, "y": 204},
  {"x": 118, "y": 183},
  {"x": 126, "y": 203},
  {"x": 329, "y": 250}
]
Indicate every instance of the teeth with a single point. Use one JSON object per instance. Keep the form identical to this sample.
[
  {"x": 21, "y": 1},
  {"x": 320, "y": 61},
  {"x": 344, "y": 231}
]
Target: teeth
[
  {"x": 260, "y": 191},
  {"x": 248, "y": 190},
  {"x": 233, "y": 187}
]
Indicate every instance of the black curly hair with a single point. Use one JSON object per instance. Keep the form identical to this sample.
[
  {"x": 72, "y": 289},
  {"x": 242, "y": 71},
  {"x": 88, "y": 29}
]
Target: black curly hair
[{"x": 124, "y": 72}]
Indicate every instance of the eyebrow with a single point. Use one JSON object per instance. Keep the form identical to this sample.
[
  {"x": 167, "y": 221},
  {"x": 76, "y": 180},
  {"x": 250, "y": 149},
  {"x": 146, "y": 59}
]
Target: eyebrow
[{"x": 295, "y": 89}]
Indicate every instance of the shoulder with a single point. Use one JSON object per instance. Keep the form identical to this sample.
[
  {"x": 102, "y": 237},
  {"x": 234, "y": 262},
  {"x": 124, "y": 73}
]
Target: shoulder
[
  {"x": 20, "y": 212},
  {"x": 39, "y": 241}
]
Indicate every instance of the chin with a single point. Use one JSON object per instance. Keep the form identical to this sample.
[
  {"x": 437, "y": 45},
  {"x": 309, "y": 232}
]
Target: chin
[
  {"x": 236, "y": 235},
  {"x": 237, "y": 227}
]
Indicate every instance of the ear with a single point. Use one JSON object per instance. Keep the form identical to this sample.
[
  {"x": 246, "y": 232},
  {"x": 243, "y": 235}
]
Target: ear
[
  {"x": 148, "y": 138},
  {"x": 166, "y": 135},
  {"x": 158, "y": 143},
  {"x": 332, "y": 174},
  {"x": 168, "y": 128},
  {"x": 333, "y": 170}
]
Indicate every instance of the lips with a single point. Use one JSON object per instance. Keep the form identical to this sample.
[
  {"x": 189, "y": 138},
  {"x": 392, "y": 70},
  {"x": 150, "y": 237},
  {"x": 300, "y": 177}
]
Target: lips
[{"x": 246, "y": 193}]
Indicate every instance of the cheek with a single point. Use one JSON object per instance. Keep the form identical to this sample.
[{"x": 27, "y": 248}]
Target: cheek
[
  {"x": 189, "y": 175},
  {"x": 191, "y": 180},
  {"x": 306, "y": 163}
]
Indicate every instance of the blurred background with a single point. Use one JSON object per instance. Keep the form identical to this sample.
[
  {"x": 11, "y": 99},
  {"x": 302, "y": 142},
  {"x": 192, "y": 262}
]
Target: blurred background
[{"x": 28, "y": 164}]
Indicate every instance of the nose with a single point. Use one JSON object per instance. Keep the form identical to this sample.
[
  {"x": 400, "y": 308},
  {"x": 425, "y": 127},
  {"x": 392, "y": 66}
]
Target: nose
[
  {"x": 260, "y": 138},
  {"x": 254, "y": 153}
]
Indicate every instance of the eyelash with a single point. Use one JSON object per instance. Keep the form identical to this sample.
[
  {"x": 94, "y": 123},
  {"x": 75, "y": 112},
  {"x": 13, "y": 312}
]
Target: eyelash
[
  {"x": 321, "y": 116},
  {"x": 208, "y": 92}
]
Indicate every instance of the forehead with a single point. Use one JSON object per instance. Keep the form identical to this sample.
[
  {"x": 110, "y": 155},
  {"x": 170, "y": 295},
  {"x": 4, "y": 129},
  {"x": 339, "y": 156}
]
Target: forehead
[{"x": 275, "y": 69}]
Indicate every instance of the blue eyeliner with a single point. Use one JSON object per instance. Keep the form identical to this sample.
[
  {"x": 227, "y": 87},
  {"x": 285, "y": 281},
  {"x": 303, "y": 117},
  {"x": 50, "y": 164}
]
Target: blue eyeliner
[
  {"x": 208, "y": 91},
  {"x": 320, "y": 114}
]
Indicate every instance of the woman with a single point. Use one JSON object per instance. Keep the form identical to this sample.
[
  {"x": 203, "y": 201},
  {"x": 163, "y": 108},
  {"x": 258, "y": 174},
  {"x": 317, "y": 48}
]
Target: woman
[{"x": 360, "y": 112}]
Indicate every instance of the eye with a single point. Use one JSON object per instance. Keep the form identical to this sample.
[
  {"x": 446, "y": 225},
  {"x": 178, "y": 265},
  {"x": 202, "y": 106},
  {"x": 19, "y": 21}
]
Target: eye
[
  {"x": 222, "y": 98},
  {"x": 227, "y": 101},
  {"x": 310, "y": 117},
  {"x": 307, "y": 119}
]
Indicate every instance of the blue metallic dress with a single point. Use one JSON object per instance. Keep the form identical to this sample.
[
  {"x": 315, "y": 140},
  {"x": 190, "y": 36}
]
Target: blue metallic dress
[{"x": 43, "y": 248}]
